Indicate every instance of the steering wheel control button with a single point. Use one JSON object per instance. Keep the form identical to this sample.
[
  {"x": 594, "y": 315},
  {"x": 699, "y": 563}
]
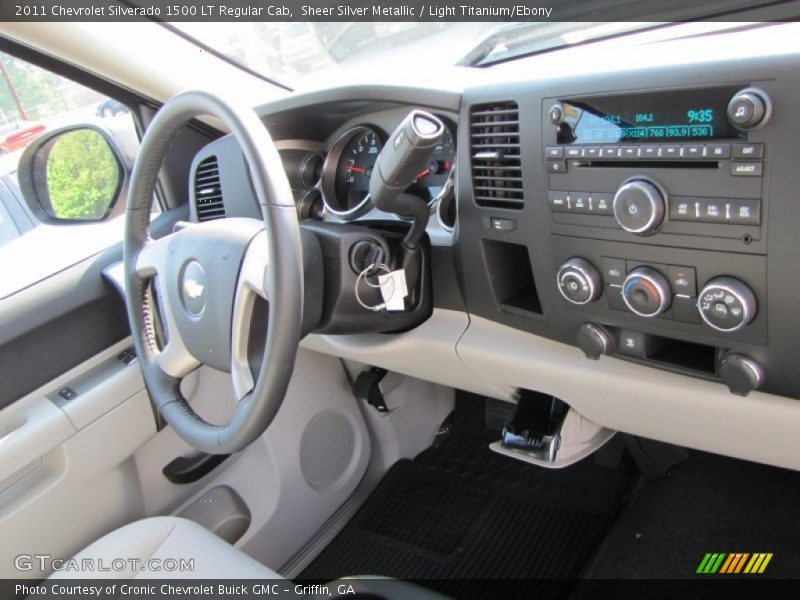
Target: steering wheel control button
[
  {"x": 193, "y": 288},
  {"x": 579, "y": 281},
  {"x": 631, "y": 343},
  {"x": 749, "y": 109},
  {"x": 741, "y": 374},
  {"x": 639, "y": 207},
  {"x": 594, "y": 340},
  {"x": 646, "y": 292},
  {"x": 727, "y": 304}
]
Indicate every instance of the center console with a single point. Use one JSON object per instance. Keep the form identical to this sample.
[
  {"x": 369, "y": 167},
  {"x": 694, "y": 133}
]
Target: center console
[{"x": 648, "y": 223}]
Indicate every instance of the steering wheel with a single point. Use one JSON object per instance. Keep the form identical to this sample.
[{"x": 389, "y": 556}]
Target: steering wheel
[{"x": 200, "y": 284}]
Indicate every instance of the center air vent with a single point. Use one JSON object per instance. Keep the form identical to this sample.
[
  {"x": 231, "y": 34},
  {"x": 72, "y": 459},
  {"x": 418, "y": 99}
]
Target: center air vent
[
  {"x": 208, "y": 190},
  {"x": 495, "y": 150}
]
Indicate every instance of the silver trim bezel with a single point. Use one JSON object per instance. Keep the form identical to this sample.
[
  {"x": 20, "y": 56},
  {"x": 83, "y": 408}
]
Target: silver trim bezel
[
  {"x": 749, "y": 305},
  {"x": 658, "y": 209},
  {"x": 588, "y": 272},
  {"x": 659, "y": 282},
  {"x": 331, "y": 165}
]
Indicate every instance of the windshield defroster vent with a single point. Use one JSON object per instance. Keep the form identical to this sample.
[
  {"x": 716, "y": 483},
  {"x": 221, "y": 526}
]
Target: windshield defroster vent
[
  {"x": 208, "y": 190},
  {"x": 495, "y": 151}
]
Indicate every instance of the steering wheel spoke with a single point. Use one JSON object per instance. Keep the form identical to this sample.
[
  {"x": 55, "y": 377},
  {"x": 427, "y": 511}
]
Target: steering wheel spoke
[
  {"x": 152, "y": 257},
  {"x": 250, "y": 285}
]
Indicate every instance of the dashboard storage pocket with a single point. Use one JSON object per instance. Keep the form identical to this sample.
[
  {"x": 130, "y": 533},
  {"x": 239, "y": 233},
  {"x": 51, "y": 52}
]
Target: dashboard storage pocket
[{"x": 511, "y": 276}]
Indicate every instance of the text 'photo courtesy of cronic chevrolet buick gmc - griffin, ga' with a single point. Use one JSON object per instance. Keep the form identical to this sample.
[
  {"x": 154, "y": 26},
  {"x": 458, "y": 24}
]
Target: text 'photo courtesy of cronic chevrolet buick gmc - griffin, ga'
[{"x": 422, "y": 306}]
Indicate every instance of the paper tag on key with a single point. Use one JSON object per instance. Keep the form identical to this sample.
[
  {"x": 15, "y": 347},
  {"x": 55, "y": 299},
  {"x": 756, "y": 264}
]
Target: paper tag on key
[{"x": 394, "y": 289}]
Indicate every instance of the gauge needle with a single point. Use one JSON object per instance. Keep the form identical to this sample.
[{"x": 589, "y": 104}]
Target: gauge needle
[
  {"x": 356, "y": 169},
  {"x": 422, "y": 174}
]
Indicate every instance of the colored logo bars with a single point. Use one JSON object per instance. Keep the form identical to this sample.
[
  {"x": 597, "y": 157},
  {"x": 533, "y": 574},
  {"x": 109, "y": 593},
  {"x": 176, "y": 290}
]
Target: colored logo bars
[{"x": 734, "y": 563}]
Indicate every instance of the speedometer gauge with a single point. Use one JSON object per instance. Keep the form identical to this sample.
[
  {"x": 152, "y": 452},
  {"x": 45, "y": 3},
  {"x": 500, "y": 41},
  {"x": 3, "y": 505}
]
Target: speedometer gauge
[{"x": 348, "y": 168}]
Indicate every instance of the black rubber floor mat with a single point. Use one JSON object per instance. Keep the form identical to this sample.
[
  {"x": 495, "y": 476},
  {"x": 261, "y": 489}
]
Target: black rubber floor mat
[
  {"x": 708, "y": 504},
  {"x": 462, "y": 519}
]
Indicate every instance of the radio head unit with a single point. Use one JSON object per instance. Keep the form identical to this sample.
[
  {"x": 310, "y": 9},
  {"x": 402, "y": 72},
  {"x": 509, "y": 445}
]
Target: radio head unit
[{"x": 699, "y": 114}]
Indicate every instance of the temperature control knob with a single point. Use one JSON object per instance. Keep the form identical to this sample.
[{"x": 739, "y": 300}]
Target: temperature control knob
[
  {"x": 579, "y": 281},
  {"x": 750, "y": 108},
  {"x": 646, "y": 292},
  {"x": 727, "y": 304},
  {"x": 639, "y": 206}
]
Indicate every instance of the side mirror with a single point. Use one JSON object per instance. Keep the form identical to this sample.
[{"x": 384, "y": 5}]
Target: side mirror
[{"x": 74, "y": 174}]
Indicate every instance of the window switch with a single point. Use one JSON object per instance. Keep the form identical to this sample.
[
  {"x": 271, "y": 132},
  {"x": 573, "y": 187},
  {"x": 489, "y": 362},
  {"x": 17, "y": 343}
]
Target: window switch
[{"x": 67, "y": 393}]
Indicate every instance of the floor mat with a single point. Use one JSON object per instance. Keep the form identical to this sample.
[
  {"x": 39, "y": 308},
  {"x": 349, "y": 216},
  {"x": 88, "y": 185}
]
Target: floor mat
[
  {"x": 460, "y": 513},
  {"x": 708, "y": 504}
]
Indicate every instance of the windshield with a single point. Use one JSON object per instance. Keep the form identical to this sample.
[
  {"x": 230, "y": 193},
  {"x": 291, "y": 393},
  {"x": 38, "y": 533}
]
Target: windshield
[{"x": 296, "y": 53}]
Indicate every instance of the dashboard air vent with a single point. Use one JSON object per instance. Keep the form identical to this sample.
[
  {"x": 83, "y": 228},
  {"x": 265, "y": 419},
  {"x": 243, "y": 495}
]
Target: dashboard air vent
[
  {"x": 208, "y": 190},
  {"x": 495, "y": 150}
]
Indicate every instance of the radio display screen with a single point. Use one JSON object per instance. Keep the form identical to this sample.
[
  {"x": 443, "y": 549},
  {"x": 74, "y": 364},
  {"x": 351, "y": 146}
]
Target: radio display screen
[{"x": 649, "y": 117}]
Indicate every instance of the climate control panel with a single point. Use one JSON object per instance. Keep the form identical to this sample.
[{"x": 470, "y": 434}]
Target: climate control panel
[{"x": 650, "y": 291}]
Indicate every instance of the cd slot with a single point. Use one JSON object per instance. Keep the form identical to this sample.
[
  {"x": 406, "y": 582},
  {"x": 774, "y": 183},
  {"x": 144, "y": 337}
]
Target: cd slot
[{"x": 651, "y": 164}]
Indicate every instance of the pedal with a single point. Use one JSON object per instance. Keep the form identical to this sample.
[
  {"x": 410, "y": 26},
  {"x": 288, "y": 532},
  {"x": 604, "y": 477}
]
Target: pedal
[{"x": 535, "y": 427}]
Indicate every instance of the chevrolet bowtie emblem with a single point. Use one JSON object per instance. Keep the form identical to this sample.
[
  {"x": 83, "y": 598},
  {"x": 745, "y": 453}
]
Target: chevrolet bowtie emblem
[{"x": 192, "y": 289}]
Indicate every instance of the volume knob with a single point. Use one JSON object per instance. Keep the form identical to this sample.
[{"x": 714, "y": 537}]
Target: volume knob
[{"x": 639, "y": 206}]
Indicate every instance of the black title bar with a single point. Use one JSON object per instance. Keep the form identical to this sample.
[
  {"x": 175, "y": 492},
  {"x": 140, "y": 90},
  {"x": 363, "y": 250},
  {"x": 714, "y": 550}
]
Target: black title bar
[{"x": 392, "y": 10}]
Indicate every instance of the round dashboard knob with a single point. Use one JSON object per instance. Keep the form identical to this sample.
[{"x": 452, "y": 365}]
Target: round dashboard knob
[
  {"x": 740, "y": 373},
  {"x": 646, "y": 292},
  {"x": 750, "y": 108},
  {"x": 594, "y": 340},
  {"x": 639, "y": 206},
  {"x": 578, "y": 281},
  {"x": 727, "y": 304},
  {"x": 556, "y": 113}
]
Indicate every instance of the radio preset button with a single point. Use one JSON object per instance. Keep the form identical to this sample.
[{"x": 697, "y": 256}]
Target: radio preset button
[
  {"x": 670, "y": 151},
  {"x": 591, "y": 152},
  {"x": 573, "y": 152},
  {"x": 610, "y": 152},
  {"x": 629, "y": 152},
  {"x": 748, "y": 151},
  {"x": 648, "y": 151},
  {"x": 692, "y": 151}
]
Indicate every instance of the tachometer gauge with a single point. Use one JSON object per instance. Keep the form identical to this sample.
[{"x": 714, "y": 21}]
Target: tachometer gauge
[{"x": 348, "y": 168}]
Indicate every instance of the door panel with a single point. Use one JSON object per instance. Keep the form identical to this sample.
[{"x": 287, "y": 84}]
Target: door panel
[{"x": 66, "y": 472}]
